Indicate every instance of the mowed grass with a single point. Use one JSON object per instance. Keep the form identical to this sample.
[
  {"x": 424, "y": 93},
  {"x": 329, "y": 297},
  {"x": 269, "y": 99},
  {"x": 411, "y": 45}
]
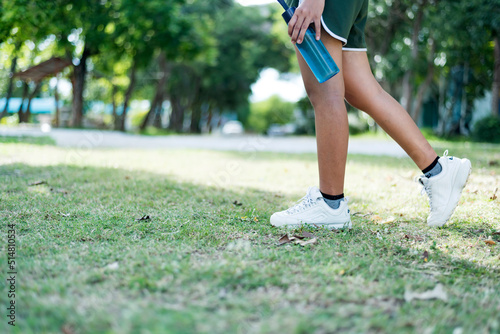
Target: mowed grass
[{"x": 207, "y": 260}]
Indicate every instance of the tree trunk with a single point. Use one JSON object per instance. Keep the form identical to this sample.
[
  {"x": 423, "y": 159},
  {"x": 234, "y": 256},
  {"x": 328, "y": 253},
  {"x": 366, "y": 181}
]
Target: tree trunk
[
  {"x": 55, "y": 122},
  {"x": 128, "y": 95},
  {"x": 407, "y": 97},
  {"x": 463, "y": 105},
  {"x": 157, "y": 122},
  {"x": 27, "y": 114},
  {"x": 10, "y": 86},
  {"x": 209, "y": 118},
  {"x": 425, "y": 85},
  {"x": 78, "y": 81},
  {"x": 177, "y": 116},
  {"x": 495, "y": 96},
  {"x": 156, "y": 104},
  {"x": 195, "y": 118},
  {"x": 20, "y": 112},
  {"x": 113, "y": 104}
]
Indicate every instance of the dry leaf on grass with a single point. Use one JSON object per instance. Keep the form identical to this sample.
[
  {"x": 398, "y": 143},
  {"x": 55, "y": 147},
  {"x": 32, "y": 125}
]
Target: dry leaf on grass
[
  {"x": 304, "y": 235},
  {"x": 37, "y": 183},
  {"x": 143, "y": 218},
  {"x": 387, "y": 221},
  {"x": 62, "y": 191},
  {"x": 284, "y": 240},
  {"x": 237, "y": 203},
  {"x": 415, "y": 237},
  {"x": 436, "y": 293},
  {"x": 425, "y": 256},
  {"x": 298, "y": 239},
  {"x": 494, "y": 197},
  {"x": 490, "y": 242},
  {"x": 308, "y": 242}
]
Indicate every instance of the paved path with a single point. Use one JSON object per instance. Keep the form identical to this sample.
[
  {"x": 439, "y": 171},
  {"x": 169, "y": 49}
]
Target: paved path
[{"x": 97, "y": 138}]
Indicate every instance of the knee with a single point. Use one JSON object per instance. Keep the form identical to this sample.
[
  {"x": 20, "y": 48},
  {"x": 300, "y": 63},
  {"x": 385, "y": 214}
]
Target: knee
[{"x": 322, "y": 101}]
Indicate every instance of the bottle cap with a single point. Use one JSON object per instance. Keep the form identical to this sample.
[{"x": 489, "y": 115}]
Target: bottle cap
[{"x": 287, "y": 15}]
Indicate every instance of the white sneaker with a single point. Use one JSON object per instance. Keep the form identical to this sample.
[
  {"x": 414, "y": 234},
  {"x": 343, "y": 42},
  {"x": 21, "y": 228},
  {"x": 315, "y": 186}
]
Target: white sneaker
[
  {"x": 313, "y": 210},
  {"x": 444, "y": 190}
]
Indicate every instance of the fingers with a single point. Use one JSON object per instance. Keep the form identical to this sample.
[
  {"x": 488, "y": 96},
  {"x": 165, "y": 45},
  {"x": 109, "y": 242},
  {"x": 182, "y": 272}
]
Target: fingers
[
  {"x": 317, "y": 27},
  {"x": 299, "y": 23},
  {"x": 295, "y": 29}
]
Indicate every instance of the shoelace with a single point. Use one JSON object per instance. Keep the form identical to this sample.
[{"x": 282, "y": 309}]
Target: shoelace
[
  {"x": 426, "y": 189},
  {"x": 302, "y": 204}
]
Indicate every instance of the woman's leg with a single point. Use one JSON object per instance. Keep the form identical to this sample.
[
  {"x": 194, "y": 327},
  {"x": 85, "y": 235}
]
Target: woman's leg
[
  {"x": 332, "y": 129},
  {"x": 363, "y": 91}
]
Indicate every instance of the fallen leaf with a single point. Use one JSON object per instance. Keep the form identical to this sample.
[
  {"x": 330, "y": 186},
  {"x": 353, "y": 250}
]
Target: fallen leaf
[
  {"x": 62, "y": 191},
  {"x": 490, "y": 242},
  {"x": 237, "y": 203},
  {"x": 127, "y": 177},
  {"x": 143, "y": 218},
  {"x": 388, "y": 221},
  {"x": 361, "y": 214},
  {"x": 308, "y": 235},
  {"x": 255, "y": 219},
  {"x": 436, "y": 293},
  {"x": 494, "y": 197},
  {"x": 37, "y": 183},
  {"x": 493, "y": 163},
  {"x": 415, "y": 237},
  {"x": 308, "y": 242},
  {"x": 298, "y": 239},
  {"x": 376, "y": 218},
  {"x": 425, "y": 256},
  {"x": 304, "y": 235},
  {"x": 284, "y": 240}
]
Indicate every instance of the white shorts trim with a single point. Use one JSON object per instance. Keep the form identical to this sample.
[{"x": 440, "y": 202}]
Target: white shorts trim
[
  {"x": 355, "y": 49},
  {"x": 342, "y": 39}
]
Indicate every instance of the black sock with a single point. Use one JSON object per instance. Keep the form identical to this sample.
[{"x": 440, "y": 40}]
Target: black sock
[{"x": 433, "y": 169}]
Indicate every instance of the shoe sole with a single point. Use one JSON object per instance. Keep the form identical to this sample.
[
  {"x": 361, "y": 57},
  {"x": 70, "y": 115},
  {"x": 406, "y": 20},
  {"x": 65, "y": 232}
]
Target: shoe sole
[
  {"x": 462, "y": 174},
  {"x": 334, "y": 226}
]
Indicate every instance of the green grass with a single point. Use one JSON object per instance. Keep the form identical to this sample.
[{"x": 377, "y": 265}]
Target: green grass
[
  {"x": 42, "y": 140},
  {"x": 202, "y": 264}
]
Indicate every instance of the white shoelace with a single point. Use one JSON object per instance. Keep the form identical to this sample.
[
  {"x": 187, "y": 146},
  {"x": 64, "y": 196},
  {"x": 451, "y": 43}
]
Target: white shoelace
[{"x": 302, "y": 204}]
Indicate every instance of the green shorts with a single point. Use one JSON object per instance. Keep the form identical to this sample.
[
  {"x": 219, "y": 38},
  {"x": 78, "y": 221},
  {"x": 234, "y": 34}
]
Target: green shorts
[{"x": 344, "y": 20}]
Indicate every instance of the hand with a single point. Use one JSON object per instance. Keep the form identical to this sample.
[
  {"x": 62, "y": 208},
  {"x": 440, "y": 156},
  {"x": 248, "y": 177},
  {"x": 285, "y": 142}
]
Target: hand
[{"x": 308, "y": 12}]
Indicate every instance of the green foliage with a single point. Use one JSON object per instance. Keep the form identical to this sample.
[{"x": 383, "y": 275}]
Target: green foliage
[
  {"x": 487, "y": 130},
  {"x": 271, "y": 111}
]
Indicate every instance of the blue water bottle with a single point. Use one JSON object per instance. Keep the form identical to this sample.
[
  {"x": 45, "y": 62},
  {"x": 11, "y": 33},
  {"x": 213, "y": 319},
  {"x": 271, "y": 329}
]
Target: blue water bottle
[{"x": 314, "y": 52}]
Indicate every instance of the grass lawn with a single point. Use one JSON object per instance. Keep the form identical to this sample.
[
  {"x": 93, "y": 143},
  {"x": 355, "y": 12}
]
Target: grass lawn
[{"x": 207, "y": 260}]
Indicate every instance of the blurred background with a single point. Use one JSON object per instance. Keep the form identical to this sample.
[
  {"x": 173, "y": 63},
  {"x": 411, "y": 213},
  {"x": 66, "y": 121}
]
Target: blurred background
[{"x": 224, "y": 66}]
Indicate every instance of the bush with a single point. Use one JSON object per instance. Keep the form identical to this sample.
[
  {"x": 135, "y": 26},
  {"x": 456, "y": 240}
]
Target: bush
[
  {"x": 271, "y": 111},
  {"x": 487, "y": 130}
]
